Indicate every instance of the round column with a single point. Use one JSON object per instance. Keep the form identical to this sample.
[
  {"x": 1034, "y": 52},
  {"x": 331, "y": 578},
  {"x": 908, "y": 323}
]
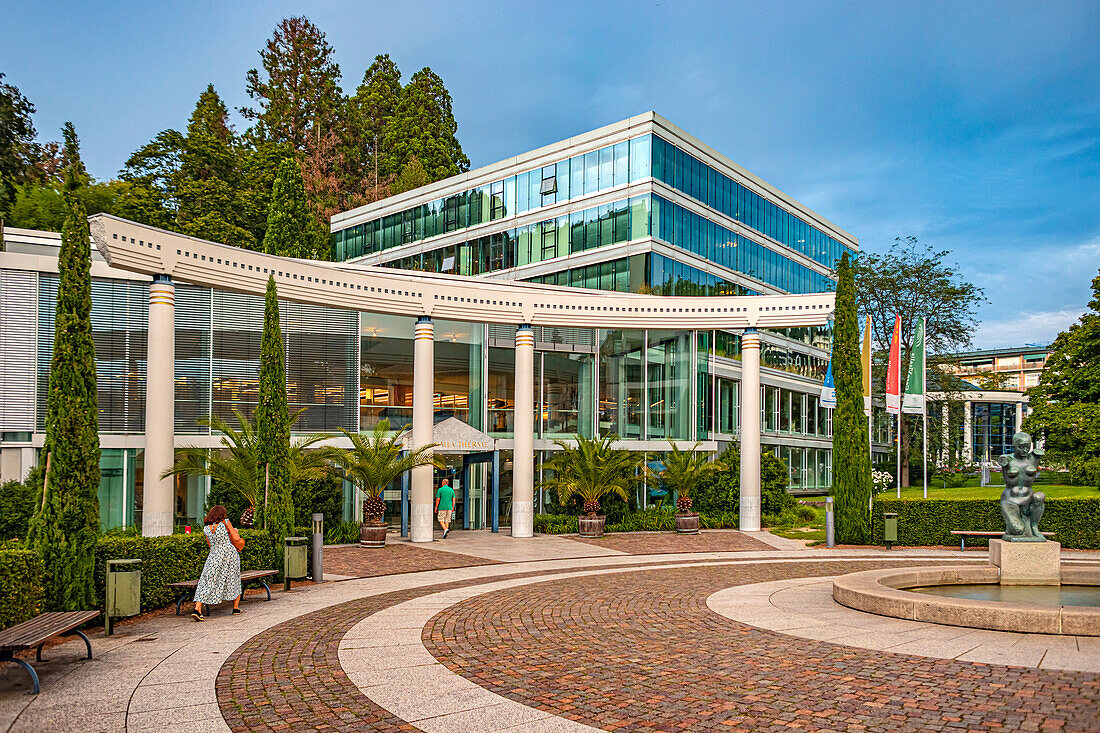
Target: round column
[
  {"x": 158, "y": 505},
  {"x": 420, "y": 517},
  {"x": 523, "y": 458},
  {"x": 750, "y": 431},
  {"x": 968, "y": 431}
]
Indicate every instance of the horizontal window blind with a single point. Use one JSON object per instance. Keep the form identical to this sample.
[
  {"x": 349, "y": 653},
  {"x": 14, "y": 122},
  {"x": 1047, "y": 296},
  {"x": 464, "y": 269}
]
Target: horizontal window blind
[{"x": 18, "y": 334}]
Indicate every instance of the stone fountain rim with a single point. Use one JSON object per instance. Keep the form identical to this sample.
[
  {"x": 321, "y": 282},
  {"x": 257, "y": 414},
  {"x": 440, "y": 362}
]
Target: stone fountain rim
[{"x": 883, "y": 592}]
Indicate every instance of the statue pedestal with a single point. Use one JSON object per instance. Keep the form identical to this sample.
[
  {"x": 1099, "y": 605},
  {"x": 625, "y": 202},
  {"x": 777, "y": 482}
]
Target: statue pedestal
[{"x": 1027, "y": 563}]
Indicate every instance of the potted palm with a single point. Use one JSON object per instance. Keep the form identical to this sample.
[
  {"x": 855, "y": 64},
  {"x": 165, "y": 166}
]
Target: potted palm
[
  {"x": 372, "y": 463},
  {"x": 685, "y": 471},
  {"x": 237, "y": 465},
  {"x": 591, "y": 469}
]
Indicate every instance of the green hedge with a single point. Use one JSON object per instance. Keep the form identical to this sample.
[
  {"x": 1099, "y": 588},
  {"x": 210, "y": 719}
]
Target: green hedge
[
  {"x": 650, "y": 520},
  {"x": 173, "y": 559},
  {"x": 1075, "y": 522},
  {"x": 21, "y": 591}
]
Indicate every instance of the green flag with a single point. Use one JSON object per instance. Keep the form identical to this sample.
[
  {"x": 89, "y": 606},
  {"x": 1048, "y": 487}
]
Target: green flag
[{"x": 914, "y": 389}]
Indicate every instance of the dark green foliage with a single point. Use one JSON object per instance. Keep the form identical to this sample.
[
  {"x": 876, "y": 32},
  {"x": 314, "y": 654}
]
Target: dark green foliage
[
  {"x": 1075, "y": 522},
  {"x": 370, "y": 111},
  {"x": 208, "y": 184},
  {"x": 342, "y": 533},
  {"x": 298, "y": 93},
  {"x": 42, "y": 206},
  {"x": 17, "y": 144},
  {"x": 424, "y": 127},
  {"x": 273, "y": 426},
  {"x": 722, "y": 490},
  {"x": 851, "y": 452},
  {"x": 65, "y": 527},
  {"x": 649, "y": 520},
  {"x": 1065, "y": 407},
  {"x": 412, "y": 176},
  {"x": 291, "y": 229},
  {"x": 325, "y": 495},
  {"x": 150, "y": 179},
  {"x": 172, "y": 559},
  {"x": 21, "y": 593},
  {"x": 16, "y": 508},
  {"x": 591, "y": 470},
  {"x": 1084, "y": 472}
]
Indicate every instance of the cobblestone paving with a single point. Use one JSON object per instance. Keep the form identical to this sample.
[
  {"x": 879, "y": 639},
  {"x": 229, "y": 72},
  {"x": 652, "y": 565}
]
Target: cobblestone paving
[
  {"x": 659, "y": 543},
  {"x": 368, "y": 562},
  {"x": 642, "y": 652}
]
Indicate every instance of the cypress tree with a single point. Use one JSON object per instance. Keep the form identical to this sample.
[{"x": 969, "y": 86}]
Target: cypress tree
[
  {"x": 851, "y": 452},
  {"x": 291, "y": 229},
  {"x": 273, "y": 425},
  {"x": 65, "y": 527}
]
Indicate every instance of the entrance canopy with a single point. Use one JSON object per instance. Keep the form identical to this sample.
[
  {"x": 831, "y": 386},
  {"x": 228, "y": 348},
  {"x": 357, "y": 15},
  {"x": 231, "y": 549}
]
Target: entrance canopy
[{"x": 454, "y": 436}]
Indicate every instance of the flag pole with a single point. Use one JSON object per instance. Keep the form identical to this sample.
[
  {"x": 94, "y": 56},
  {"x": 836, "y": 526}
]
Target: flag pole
[
  {"x": 924, "y": 391},
  {"x": 901, "y": 399}
]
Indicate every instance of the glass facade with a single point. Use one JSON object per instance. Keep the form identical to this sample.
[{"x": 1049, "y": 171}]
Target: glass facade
[
  {"x": 992, "y": 427},
  {"x": 691, "y": 176},
  {"x": 572, "y": 178}
]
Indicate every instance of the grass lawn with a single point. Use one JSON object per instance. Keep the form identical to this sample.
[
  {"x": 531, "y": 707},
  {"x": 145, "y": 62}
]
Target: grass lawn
[
  {"x": 812, "y": 530},
  {"x": 1053, "y": 491}
]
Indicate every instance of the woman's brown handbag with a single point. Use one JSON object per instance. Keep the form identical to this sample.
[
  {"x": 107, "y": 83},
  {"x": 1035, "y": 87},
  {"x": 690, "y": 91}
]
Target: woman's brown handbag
[{"x": 234, "y": 536}]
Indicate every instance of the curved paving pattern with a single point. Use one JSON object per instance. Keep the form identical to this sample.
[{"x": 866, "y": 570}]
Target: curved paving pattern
[{"x": 641, "y": 651}]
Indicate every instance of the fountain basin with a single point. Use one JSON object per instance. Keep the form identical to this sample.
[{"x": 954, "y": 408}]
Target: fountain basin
[{"x": 887, "y": 593}]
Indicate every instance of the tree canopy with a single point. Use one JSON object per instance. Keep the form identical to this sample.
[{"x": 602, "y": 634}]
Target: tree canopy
[
  {"x": 210, "y": 181},
  {"x": 915, "y": 282},
  {"x": 1065, "y": 406}
]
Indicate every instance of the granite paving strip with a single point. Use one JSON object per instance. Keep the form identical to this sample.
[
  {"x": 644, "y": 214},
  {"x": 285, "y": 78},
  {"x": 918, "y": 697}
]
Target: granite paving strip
[
  {"x": 642, "y": 651},
  {"x": 660, "y": 543},
  {"x": 804, "y": 607}
]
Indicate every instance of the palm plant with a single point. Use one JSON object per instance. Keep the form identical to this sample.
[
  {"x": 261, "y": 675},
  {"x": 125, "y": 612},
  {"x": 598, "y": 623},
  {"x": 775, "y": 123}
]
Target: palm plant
[
  {"x": 591, "y": 469},
  {"x": 238, "y": 468},
  {"x": 684, "y": 471},
  {"x": 374, "y": 461}
]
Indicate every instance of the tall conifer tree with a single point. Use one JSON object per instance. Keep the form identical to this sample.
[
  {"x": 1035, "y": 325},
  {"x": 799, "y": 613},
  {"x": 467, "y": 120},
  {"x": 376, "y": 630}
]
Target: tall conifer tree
[
  {"x": 424, "y": 126},
  {"x": 851, "y": 452},
  {"x": 65, "y": 527},
  {"x": 291, "y": 229},
  {"x": 273, "y": 424}
]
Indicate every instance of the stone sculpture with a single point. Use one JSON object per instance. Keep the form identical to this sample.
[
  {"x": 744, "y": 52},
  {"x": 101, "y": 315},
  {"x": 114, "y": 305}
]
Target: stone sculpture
[{"x": 1022, "y": 508}]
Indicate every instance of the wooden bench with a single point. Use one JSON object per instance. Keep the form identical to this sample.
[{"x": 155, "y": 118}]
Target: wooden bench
[
  {"x": 186, "y": 587},
  {"x": 964, "y": 533},
  {"x": 36, "y": 632}
]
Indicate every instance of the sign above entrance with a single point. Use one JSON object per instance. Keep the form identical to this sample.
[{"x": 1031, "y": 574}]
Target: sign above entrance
[{"x": 454, "y": 436}]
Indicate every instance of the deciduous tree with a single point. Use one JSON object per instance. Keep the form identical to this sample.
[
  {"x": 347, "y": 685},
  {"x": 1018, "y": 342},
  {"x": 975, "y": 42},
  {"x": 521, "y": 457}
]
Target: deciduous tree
[
  {"x": 915, "y": 282},
  {"x": 17, "y": 146},
  {"x": 1065, "y": 406}
]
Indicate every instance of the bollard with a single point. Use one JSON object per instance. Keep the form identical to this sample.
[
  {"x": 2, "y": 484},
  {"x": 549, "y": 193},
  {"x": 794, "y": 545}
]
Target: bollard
[
  {"x": 830, "y": 534},
  {"x": 318, "y": 547}
]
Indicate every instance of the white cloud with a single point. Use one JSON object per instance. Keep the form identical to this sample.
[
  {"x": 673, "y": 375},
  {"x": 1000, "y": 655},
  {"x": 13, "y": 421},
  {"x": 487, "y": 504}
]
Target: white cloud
[{"x": 1026, "y": 328}]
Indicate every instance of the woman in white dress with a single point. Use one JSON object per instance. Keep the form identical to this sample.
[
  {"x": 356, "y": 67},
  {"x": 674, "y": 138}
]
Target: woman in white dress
[{"x": 221, "y": 575}]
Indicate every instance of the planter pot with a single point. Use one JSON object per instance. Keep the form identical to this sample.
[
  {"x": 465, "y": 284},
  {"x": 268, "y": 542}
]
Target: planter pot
[
  {"x": 687, "y": 523},
  {"x": 590, "y": 526},
  {"x": 372, "y": 535}
]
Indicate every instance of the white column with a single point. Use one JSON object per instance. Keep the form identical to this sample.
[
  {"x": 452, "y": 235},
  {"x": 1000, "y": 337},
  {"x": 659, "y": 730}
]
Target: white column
[
  {"x": 420, "y": 517},
  {"x": 523, "y": 457},
  {"x": 968, "y": 432},
  {"x": 158, "y": 505},
  {"x": 750, "y": 431}
]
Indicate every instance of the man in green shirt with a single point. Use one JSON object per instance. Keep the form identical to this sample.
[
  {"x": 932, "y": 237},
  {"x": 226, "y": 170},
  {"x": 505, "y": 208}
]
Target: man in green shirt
[{"x": 445, "y": 505}]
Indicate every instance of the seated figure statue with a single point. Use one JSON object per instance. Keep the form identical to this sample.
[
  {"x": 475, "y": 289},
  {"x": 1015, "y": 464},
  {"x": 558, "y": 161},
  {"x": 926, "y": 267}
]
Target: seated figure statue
[{"x": 1022, "y": 508}]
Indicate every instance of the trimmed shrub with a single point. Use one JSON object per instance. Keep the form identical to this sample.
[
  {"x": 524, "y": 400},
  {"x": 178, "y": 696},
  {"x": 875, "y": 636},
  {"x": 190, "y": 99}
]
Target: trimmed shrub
[
  {"x": 17, "y": 503},
  {"x": 173, "y": 559},
  {"x": 21, "y": 592},
  {"x": 722, "y": 490},
  {"x": 1084, "y": 472},
  {"x": 650, "y": 520},
  {"x": 1075, "y": 522}
]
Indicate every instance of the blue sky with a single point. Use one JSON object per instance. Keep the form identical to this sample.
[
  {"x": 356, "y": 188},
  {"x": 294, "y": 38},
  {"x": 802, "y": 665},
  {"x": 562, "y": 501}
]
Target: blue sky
[{"x": 973, "y": 126}]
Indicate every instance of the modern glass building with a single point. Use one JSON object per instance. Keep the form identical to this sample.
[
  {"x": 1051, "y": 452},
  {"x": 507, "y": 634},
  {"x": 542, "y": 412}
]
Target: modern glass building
[{"x": 638, "y": 206}]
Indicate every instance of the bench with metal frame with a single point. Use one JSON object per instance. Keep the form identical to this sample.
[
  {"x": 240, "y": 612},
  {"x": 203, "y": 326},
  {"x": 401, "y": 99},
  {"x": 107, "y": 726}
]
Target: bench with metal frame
[
  {"x": 962, "y": 534},
  {"x": 36, "y": 632},
  {"x": 187, "y": 587}
]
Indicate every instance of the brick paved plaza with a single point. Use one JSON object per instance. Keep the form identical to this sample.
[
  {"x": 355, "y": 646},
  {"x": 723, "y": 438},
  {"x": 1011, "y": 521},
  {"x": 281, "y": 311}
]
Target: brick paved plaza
[{"x": 589, "y": 637}]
